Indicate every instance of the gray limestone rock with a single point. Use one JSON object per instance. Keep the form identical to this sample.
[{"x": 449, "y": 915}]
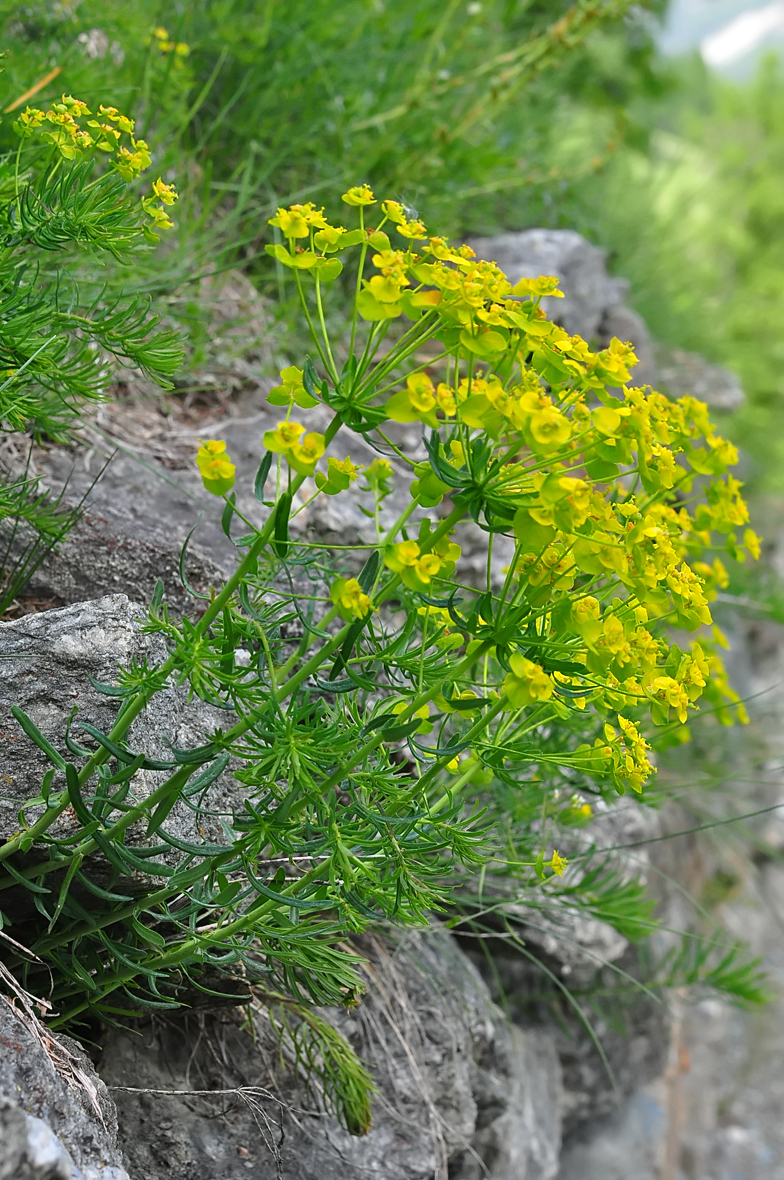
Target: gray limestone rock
[
  {"x": 140, "y": 512},
  {"x": 628, "y": 1145},
  {"x": 47, "y": 660},
  {"x": 100, "y": 557},
  {"x": 683, "y": 372},
  {"x": 57, "y": 1121},
  {"x": 457, "y": 1085},
  {"x": 29, "y": 1150}
]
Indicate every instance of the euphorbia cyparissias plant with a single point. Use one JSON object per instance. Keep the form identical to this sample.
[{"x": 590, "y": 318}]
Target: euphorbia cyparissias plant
[
  {"x": 67, "y": 203},
  {"x": 384, "y": 719}
]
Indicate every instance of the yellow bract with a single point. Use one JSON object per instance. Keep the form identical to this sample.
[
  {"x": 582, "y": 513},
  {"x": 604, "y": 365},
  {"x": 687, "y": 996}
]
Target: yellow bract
[
  {"x": 557, "y": 862},
  {"x": 215, "y": 466},
  {"x": 302, "y": 450},
  {"x": 350, "y": 598},
  {"x": 359, "y": 196},
  {"x": 527, "y": 683}
]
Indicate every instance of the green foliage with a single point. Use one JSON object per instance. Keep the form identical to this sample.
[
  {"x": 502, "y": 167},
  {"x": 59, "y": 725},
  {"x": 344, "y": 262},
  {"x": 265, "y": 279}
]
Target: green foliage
[
  {"x": 415, "y": 728},
  {"x": 58, "y": 198},
  {"x": 321, "y": 1057},
  {"x": 453, "y": 105},
  {"x": 693, "y": 216},
  {"x": 32, "y": 522},
  {"x": 419, "y": 746}
]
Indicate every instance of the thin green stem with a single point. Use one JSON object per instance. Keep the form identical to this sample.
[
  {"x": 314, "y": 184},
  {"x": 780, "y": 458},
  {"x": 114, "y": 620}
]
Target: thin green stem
[
  {"x": 358, "y": 285},
  {"x": 333, "y": 372},
  {"x": 191, "y": 946},
  {"x": 134, "y": 706},
  {"x": 422, "y": 698}
]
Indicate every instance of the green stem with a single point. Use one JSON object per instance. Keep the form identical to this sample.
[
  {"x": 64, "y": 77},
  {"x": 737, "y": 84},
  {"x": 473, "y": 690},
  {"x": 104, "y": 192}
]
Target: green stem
[
  {"x": 305, "y": 642},
  {"x": 332, "y": 366},
  {"x": 405, "y": 715},
  {"x": 479, "y": 725},
  {"x": 187, "y": 948},
  {"x": 444, "y": 528},
  {"x": 133, "y": 707},
  {"x": 358, "y": 286},
  {"x": 303, "y": 302}
]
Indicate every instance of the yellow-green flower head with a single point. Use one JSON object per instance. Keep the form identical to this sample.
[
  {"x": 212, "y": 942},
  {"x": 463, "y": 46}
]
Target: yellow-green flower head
[
  {"x": 427, "y": 567},
  {"x": 360, "y": 195},
  {"x": 539, "y": 287},
  {"x": 350, "y": 598},
  {"x": 527, "y": 683},
  {"x": 557, "y": 862},
  {"x": 386, "y": 290},
  {"x": 305, "y": 454},
  {"x": 407, "y": 552},
  {"x": 217, "y": 469},
  {"x": 669, "y": 694},
  {"x": 298, "y": 220},
  {"x": 29, "y": 121},
  {"x": 394, "y": 211},
  {"x": 346, "y": 467},
  {"x": 446, "y": 401},
  {"x": 291, "y": 223},
  {"x": 130, "y": 163},
  {"x": 416, "y": 402},
  {"x": 283, "y": 437},
  {"x": 550, "y": 428},
  {"x": 378, "y": 475},
  {"x": 291, "y": 390},
  {"x": 165, "y": 192},
  {"x": 328, "y": 238},
  {"x": 74, "y": 106},
  {"x": 413, "y": 229},
  {"x": 106, "y": 137},
  {"x": 122, "y": 121},
  {"x": 159, "y": 216}
]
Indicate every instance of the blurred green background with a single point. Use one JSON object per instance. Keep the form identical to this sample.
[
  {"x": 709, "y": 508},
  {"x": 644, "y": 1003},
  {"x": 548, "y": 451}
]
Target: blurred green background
[{"x": 499, "y": 114}]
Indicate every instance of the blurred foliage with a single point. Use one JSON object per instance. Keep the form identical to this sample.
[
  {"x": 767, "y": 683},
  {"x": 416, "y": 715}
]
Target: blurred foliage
[
  {"x": 457, "y": 104},
  {"x": 693, "y": 215}
]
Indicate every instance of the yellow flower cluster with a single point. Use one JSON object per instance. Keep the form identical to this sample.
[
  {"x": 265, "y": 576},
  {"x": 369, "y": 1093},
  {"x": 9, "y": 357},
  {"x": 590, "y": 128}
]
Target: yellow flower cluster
[
  {"x": 612, "y": 492},
  {"x": 417, "y": 568},
  {"x": 167, "y": 195},
  {"x": 66, "y": 126},
  {"x": 302, "y": 450},
  {"x": 340, "y": 474},
  {"x": 350, "y": 599},
  {"x": 61, "y": 126},
  {"x": 165, "y": 45},
  {"x": 527, "y": 683},
  {"x": 626, "y": 752}
]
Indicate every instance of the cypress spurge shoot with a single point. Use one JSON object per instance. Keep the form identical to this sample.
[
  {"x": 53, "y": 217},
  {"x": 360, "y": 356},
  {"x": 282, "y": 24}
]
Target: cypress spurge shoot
[
  {"x": 392, "y": 728},
  {"x": 67, "y": 193}
]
